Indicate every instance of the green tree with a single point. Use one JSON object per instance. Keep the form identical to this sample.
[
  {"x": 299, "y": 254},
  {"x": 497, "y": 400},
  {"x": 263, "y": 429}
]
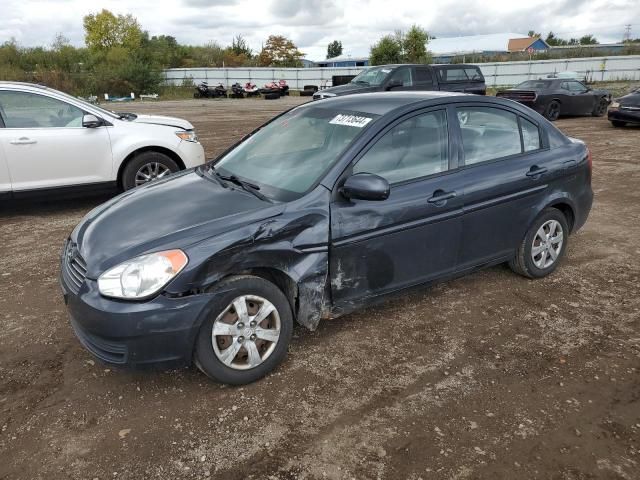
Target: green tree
[
  {"x": 279, "y": 51},
  {"x": 414, "y": 45},
  {"x": 105, "y": 30},
  {"x": 588, "y": 40},
  {"x": 386, "y": 50},
  {"x": 240, "y": 47},
  {"x": 409, "y": 47},
  {"x": 534, "y": 34},
  {"x": 334, "y": 49}
]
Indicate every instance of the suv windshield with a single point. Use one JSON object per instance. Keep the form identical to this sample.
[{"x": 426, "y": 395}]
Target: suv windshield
[
  {"x": 373, "y": 76},
  {"x": 289, "y": 155}
]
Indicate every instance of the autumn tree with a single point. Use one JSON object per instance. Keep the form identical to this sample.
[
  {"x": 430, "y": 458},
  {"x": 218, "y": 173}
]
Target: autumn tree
[
  {"x": 279, "y": 51},
  {"x": 334, "y": 49},
  {"x": 105, "y": 30}
]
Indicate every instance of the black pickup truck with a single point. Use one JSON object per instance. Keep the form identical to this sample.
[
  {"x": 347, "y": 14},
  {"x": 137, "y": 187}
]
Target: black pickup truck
[{"x": 451, "y": 78}]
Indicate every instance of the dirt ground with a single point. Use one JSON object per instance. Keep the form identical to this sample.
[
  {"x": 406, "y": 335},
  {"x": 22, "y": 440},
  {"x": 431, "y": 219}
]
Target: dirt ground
[{"x": 491, "y": 376}]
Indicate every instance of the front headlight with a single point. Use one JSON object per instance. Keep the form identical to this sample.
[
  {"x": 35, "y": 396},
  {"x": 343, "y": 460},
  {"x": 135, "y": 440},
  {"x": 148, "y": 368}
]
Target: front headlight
[
  {"x": 614, "y": 105},
  {"x": 187, "y": 135},
  {"x": 142, "y": 276}
]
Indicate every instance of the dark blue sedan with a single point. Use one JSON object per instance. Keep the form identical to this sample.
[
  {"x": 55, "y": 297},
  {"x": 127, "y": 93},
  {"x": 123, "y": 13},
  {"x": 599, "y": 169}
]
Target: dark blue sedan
[{"x": 329, "y": 207}]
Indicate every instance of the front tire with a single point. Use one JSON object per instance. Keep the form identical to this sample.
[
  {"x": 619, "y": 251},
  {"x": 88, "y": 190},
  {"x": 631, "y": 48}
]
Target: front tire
[
  {"x": 543, "y": 246},
  {"x": 618, "y": 123},
  {"x": 147, "y": 167},
  {"x": 601, "y": 108},
  {"x": 247, "y": 332},
  {"x": 552, "y": 111}
]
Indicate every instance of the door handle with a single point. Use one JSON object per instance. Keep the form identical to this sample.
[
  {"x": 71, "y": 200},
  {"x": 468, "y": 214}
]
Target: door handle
[
  {"x": 569, "y": 164},
  {"x": 535, "y": 171},
  {"x": 23, "y": 141},
  {"x": 439, "y": 197}
]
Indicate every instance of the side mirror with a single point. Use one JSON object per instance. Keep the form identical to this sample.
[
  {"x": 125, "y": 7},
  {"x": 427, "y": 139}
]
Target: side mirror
[
  {"x": 91, "y": 121},
  {"x": 365, "y": 186},
  {"x": 394, "y": 84}
]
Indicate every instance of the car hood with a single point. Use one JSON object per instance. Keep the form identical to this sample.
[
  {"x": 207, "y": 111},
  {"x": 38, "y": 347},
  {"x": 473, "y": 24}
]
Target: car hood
[
  {"x": 630, "y": 100},
  {"x": 174, "y": 213},
  {"x": 162, "y": 120},
  {"x": 348, "y": 89}
]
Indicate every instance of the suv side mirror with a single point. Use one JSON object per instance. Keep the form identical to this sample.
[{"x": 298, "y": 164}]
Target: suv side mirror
[
  {"x": 365, "y": 186},
  {"x": 394, "y": 84},
  {"x": 91, "y": 121}
]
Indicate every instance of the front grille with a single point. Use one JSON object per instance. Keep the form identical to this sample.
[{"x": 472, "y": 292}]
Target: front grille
[{"x": 74, "y": 268}]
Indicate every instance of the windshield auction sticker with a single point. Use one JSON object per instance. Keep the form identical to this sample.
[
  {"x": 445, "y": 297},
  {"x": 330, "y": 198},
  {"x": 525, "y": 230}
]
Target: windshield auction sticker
[{"x": 350, "y": 120}]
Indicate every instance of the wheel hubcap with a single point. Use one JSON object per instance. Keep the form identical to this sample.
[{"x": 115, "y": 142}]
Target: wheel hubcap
[
  {"x": 150, "y": 172},
  {"x": 547, "y": 244},
  {"x": 245, "y": 334}
]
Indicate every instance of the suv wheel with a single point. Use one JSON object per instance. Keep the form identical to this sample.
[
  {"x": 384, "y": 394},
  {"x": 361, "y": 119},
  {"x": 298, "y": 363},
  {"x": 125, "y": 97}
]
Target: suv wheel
[
  {"x": 147, "y": 167},
  {"x": 618, "y": 123},
  {"x": 543, "y": 246},
  {"x": 601, "y": 108},
  {"x": 247, "y": 332}
]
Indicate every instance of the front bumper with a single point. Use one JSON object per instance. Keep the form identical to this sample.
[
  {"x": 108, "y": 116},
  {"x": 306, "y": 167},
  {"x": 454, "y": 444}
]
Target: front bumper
[
  {"x": 191, "y": 153},
  {"x": 622, "y": 115},
  {"x": 159, "y": 332}
]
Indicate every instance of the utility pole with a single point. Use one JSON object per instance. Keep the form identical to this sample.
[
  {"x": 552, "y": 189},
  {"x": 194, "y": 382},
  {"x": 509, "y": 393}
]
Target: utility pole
[{"x": 627, "y": 33}]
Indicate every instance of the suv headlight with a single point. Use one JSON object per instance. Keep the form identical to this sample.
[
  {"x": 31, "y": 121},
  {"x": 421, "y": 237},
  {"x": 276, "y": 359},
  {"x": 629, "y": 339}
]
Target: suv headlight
[
  {"x": 187, "y": 135},
  {"x": 614, "y": 105},
  {"x": 142, "y": 276}
]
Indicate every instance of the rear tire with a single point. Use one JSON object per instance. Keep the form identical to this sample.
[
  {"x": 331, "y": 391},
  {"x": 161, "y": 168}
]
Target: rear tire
[
  {"x": 548, "y": 235},
  {"x": 228, "y": 360},
  {"x": 618, "y": 123},
  {"x": 271, "y": 96},
  {"x": 135, "y": 170},
  {"x": 552, "y": 111}
]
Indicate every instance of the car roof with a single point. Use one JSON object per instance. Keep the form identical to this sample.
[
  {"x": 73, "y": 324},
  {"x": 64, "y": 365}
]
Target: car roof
[
  {"x": 448, "y": 65},
  {"x": 380, "y": 103},
  {"x": 5, "y": 83}
]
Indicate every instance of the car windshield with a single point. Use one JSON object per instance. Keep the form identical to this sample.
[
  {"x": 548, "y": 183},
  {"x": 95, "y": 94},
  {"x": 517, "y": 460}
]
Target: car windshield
[
  {"x": 289, "y": 155},
  {"x": 534, "y": 84},
  {"x": 373, "y": 76}
]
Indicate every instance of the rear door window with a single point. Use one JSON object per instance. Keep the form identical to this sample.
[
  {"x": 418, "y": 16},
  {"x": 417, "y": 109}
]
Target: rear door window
[
  {"x": 488, "y": 134},
  {"x": 423, "y": 77},
  {"x": 460, "y": 74}
]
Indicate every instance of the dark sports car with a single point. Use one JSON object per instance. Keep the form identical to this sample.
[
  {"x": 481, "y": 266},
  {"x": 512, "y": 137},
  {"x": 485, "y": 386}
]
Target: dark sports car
[
  {"x": 553, "y": 97},
  {"x": 625, "y": 110}
]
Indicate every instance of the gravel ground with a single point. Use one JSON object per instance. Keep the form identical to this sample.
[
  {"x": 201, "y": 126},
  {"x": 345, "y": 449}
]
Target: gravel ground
[{"x": 489, "y": 376}]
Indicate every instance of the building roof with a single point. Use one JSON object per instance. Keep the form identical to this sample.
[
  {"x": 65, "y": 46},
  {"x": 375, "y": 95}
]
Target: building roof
[
  {"x": 343, "y": 58},
  {"x": 521, "y": 44},
  {"x": 495, "y": 42}
]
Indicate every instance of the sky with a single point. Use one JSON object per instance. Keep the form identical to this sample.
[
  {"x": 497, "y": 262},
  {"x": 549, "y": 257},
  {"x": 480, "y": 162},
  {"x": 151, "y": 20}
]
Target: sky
[{"x": 312, "y": 24}]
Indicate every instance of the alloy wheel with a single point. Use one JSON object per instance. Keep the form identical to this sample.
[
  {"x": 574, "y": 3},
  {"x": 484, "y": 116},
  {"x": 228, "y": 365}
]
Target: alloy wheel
[
  {"x": 547, "y": 244},
  {"x": 245, "y": 334},
  {"x": 150, "y": 172}
]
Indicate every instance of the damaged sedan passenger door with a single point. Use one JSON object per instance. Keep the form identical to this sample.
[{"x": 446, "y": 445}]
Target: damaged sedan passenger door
[{"x": 383, "y": 245}]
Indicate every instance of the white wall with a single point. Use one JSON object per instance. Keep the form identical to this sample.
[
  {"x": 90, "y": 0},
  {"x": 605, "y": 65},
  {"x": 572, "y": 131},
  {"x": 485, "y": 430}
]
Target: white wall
[{"x": 496, "y": 74}]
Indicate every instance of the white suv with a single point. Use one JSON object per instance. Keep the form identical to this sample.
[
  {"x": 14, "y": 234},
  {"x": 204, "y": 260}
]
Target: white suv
[{"x": 49, "y": 139}]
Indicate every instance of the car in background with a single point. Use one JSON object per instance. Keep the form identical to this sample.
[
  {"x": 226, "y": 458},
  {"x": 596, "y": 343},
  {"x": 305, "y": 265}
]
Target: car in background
[
  {"x": 51, "y": 141},
  {"x": 553, "y": 97},
  {"x": 450, "y": 78},
  {"x": 625, "y": 110},
  {"x": 329, "y": 207}
]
